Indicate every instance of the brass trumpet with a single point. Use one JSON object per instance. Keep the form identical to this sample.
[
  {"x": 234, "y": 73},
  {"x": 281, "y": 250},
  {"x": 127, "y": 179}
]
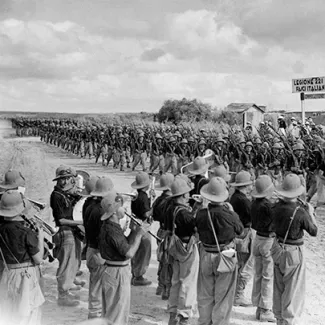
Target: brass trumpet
[
  {"x": 39, "y": 205},
  {"x": 132, "y": 195},
  {"x": 50, "y": 230},
  {"x": 197, "y": 198}
]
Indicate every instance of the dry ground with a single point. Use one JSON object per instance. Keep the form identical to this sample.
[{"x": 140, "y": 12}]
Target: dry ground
[{"x": 37, "y": 162}]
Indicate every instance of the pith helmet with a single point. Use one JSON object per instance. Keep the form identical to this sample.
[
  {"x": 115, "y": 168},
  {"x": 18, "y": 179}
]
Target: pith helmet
[
  {"x": 165, "y": 182},
  {"x": 142, "y": 180},
  {"x": 102, "y": 187},
  {"x": 110, "y": 203},
  {"x": 263, "y": 187},
  {"x": 198, "y": 167},
  {"x": 243, "y": 178},
  {"x": 179, "y": 187},
  {"x": 221, "y": 171},
  {"x": 12, "y": 180},
  {"x": 216, "y": 190},
  {"x": 291, "y": 187},
  {"x": 90, "y": 185},
  {"x": 12, "y": 204}
]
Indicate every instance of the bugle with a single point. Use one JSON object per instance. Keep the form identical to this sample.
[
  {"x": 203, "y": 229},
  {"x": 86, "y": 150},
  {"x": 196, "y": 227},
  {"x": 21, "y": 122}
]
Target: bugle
[
  {"x": 132, "y": 195},
  {"x": 197, "y": 198},
  {"x": 39, "y": 205},
  {"x": 50, "y": 230},
  {"x": 139, "y": 224}
]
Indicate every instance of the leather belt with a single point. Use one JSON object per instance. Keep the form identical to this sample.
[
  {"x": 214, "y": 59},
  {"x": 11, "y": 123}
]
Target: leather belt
[
  {"x": 265, "y": 234},
  {"x": 117, "y": 263},
  {"x": 292, "y": 242},
  {"x": 21, "y": 265}
]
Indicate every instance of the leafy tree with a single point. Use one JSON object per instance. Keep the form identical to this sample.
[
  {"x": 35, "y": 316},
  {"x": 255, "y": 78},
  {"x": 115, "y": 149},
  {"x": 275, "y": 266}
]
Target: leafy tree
[{"x": 185, "y": 110}]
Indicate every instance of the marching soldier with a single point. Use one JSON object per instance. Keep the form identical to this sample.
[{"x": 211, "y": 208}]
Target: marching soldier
[
  {"x": 170, "y": 156},
  {"x": 157, "y": 155},
  {"x": 140, "y": 153},
  {"x": 183, "y": 154}
]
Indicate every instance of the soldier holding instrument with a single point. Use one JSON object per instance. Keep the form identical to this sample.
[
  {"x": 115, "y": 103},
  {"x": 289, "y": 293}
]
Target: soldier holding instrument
[
  {"x": 21, "y": 251},
  {"x": 67, "y": 245}
]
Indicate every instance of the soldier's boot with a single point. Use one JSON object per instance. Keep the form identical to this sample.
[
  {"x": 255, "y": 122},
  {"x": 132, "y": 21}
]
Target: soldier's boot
[
  {"x": 159, "y": 290},
  {"x": 173, "y": 320},
  {"x": 182, "y": 320},
  {"x": 266, "y": 315},
  {"x": 165, "y": 294}
]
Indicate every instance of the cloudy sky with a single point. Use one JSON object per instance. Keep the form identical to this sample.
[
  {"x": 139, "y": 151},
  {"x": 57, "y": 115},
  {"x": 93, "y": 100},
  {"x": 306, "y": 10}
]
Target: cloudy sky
[{"x": 131, "y": 55}]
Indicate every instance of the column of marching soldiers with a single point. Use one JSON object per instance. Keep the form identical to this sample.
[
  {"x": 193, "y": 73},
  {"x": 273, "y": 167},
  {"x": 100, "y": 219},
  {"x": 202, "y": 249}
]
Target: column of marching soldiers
[{"x": 237, "y": 217}]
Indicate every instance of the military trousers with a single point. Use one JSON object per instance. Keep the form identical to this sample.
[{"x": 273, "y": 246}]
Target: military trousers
[
  {"x": 89, "y": 149},
  {"x": 263, "y": 277},
  {"x": 116, "y": 293},
  {"x": 21, "y": 295},
  {"x": 171, "y": 162},
  {"x": 95, "y": 264},
  {"x": 289, "y": 282},
  {"x": 216, "y": 291},
  {"x": 141, "y": 260},
  {"x": 140, "y": 157},
  {"x": 68, "y": 252},
  {"x": 183, "y": 292},
  {"x": 245, "y": 263},
  {"x": 157, "y": 161}
]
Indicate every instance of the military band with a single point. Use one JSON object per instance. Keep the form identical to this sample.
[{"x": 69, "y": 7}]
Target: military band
[{"x": 232, "y": 208}]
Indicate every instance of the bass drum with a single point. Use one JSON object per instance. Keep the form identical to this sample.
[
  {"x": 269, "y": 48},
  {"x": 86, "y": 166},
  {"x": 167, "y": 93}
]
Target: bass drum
[{"x": 77, "y": 210}]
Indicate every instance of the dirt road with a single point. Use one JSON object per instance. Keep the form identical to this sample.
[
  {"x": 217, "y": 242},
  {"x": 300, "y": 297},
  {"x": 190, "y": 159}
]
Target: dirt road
[{"x": 38, "y": 161}]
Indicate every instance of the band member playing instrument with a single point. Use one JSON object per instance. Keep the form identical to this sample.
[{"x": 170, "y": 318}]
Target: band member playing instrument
[
  {"x": 198, "y": 169},
  {"x": 68, "y": 246},
  {"x": 117, "y": 250},
  {"x": 12, "y": 180},
  {"x": 21, "y": 251},
  {"x": 242, "y": 206},
  {"x": 290, "y": 219},
  {"x": 140, "y": 207},
  {"x": 165, "y": 269},
  {"x": 95, "y": 262},
  {"x": 180, "y": 224},
  {"x": 216, "y": 287},
  {"x": 261, "y": 212}
]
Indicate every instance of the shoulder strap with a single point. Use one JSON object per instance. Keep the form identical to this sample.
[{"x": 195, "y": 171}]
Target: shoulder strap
[
  {"x": 11, "y": 253},
  {"x": 213, "y": 230},
  {"x": 291, "y": 220},
  {"x": 177, "y": 209},
  {"x": 66, "y": 200}
]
